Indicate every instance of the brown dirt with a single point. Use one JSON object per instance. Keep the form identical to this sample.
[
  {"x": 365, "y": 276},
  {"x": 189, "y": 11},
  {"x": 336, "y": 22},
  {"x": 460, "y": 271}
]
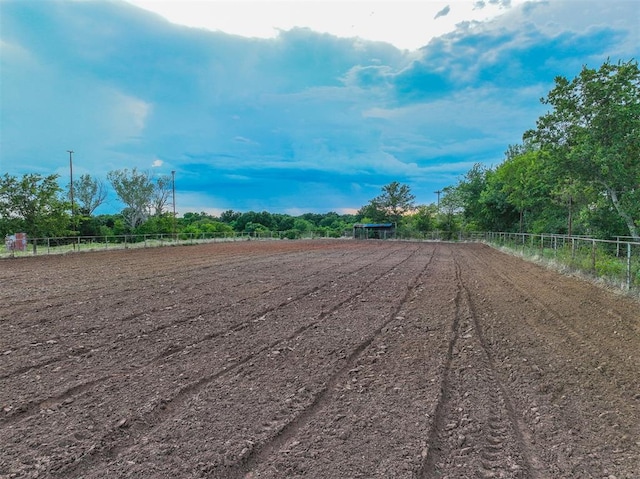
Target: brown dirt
[{"x": 323, "y": 359}]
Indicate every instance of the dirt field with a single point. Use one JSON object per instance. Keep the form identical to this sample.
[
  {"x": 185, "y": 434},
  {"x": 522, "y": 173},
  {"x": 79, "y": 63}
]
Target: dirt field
[{"x": 323, "y": 359}]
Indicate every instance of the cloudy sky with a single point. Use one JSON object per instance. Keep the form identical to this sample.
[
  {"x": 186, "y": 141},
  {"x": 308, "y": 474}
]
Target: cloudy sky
[{"x": 292, "y": 107}]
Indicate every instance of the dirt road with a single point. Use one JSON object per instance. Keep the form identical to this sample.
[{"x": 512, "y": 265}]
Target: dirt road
[{"x": 314, "y": 359}]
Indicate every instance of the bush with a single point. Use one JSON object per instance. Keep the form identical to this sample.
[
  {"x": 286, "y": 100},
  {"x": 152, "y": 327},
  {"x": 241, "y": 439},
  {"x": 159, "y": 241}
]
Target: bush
[
  {"x": 611, "y": 267},
  {"x": 291, "y": 234}
]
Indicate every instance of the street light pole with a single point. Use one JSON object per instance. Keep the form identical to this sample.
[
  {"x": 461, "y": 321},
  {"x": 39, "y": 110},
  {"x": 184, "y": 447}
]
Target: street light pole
[{"x": 73, "y": 209}]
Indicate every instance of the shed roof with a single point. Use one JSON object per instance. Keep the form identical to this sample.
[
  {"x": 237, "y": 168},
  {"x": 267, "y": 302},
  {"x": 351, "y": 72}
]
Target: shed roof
[{"x": 373, "y": 225}]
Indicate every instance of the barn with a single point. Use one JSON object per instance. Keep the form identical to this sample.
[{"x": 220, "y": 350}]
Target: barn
[{"x": 374, "y": 230}]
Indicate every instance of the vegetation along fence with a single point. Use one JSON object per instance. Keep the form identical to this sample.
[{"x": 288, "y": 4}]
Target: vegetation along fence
[
  {"x": 616, "y": 261},
  {"x": 69, "y": 244}
]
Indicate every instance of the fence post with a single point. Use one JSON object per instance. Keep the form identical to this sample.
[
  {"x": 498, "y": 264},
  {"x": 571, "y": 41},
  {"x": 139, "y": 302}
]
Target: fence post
[
  {"x": 628, "y": 266},
  {"x": 593, "y": 255}
]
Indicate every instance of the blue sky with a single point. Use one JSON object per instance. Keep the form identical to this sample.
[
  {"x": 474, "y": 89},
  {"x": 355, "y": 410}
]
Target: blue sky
[{"x": 269, "y": 108}]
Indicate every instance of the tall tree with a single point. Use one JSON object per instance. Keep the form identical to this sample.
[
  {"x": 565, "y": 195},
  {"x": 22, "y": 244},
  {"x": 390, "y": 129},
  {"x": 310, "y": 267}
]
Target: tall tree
[
  {"x": 470, "y": 189},
  {"x": 422, "y": 219},
  {"x": 161, "y": 193},
  {"x": 135, "y": 189},
  {"x": 90, "y": 193},
  {"x": 396, "y": 200},
  {"x": 33, "y": 204},
  {"x": 522, "y": 180},
  {"x": 496, "y": 212},
  {"x": 594, "y": 128},
  {"x": 451, "y": 206}
]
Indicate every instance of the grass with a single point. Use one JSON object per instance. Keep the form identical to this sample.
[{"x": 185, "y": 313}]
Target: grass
[{"x": 598, "y": 263}]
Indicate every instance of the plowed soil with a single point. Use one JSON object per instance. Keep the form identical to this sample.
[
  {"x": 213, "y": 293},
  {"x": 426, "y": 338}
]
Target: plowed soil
[{"x": 314, "y": 359}]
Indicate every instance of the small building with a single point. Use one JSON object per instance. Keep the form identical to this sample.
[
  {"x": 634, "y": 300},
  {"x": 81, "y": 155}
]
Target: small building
[
  {"x": 374, "y": 231},
  {"x": 16, "y": 242}
]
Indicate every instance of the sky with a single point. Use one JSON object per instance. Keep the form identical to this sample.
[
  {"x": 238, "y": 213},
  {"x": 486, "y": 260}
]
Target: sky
[{"x": 289, "y": 107}]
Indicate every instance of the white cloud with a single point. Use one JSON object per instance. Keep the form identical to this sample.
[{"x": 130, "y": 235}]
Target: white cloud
[
  {"x": 126, "y": 116},
  {"x": 157, "y": 163},
  {"x": 407, "y": 24}
]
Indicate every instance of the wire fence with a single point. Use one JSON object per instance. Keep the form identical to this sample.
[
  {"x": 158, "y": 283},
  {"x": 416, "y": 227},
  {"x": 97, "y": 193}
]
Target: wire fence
[
  {"x": 71, "y": 244},
  {"x": 616, "y": 261}
]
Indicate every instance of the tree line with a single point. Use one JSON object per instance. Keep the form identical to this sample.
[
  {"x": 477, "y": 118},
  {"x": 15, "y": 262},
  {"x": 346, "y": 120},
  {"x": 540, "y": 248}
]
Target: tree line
[{"x": 577, "y": 172}]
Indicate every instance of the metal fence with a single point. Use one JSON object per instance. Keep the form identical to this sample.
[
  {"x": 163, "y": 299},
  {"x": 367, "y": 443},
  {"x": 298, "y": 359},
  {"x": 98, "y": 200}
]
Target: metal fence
[
  {"x": 69, "y": 244},
  {"x": 617, "y": 260}
]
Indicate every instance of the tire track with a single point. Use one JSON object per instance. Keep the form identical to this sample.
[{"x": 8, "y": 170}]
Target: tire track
[
  {"x": 234, "y": 327},
  {"x": 26, "y": 410},
  {"x": 428, "y": 466},
  {"x": 502, "y": 401},
  {"x": 115, "y": 442},
  {"x": 133, "y": 286},
  {"x": 562, "y": 328},
  {"x": 562, "y": 379},
  {"x": 476, "y": 430},
  {"x": 259, "y": 454}
]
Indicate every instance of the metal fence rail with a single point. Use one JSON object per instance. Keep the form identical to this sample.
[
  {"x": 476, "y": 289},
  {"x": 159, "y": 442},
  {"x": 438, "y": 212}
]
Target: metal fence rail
[
  {"x": 70, "y": 244},
  {"x": 617, "y": 261}
]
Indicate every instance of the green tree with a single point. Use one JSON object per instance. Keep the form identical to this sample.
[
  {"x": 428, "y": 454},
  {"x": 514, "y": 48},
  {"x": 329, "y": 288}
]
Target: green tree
[
  {"x": 470, "y": 189},
  {"x": 573, "y": 196},
  {"x": 229, "y": 216},
  {"x": 423, "y": 219},
  {"x": 156, "y": 224},
  {"x": 496, "y": 213},
  {"x": 372, "y": 213},
  {"x": 302, "y": 225},
  {"x": 249, "y": 221},
  {"x": 395, "y": 201},
  {"x": 594, "y": 130},
  {"x": 135, "y": 189},
  {"x": 282, "y": 222},
  {"x": 34, "y": 205},
  {"x": 523, "y": 182},
  {"x": 208, "y": 226},
  {"x": 451, "y": 207}
]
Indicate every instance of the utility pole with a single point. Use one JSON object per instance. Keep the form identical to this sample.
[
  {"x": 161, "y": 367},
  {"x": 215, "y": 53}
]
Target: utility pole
[
  {"x": 73, "y": 209},
  {"x": 173, "y": 196},
  {"x": 438, "y": 193}
]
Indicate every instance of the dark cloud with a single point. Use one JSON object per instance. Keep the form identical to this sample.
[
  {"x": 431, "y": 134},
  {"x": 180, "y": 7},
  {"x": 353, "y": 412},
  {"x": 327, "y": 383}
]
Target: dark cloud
[
  {"x": 443, "y": 13},
  {"x": 302, "y": 120}
]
